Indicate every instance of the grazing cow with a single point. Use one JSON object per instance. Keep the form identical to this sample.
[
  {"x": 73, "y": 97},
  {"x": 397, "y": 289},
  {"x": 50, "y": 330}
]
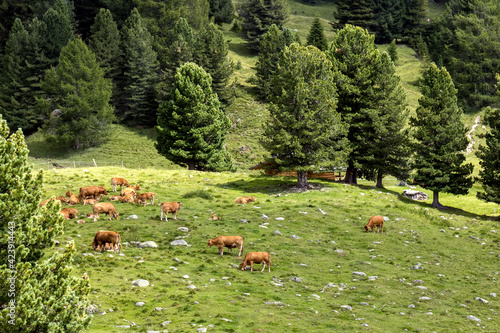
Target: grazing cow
[
  {"x": 115, "y": 198},
  {"x": 130, "y": 189},
  {"x": 104, "y": 207},
  {"x": 227, "y": 241},
  {"x": 147, "y": 196},
  {"x": 73, "y": 199},
  {"x": 214, "y": 217},
  {"x": 245, "y": 200},
  {"x": 374, "y": 223},
  {"x": 119, "y": 181},
  {"x": 107, "y": 237},
  {"x": 170, "y": 207},
  {"x": 257, "y": 258},
  {"x": 69, "y": 213},
  {"x": 128, "y": 197},
  {"x": 90, "y": 201},
  {"x": 92, "y": 192}
]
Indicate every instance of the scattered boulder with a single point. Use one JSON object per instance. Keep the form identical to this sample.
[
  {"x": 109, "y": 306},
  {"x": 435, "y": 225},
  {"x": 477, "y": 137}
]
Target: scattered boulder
[
  {"x": 179, "y": 242},
  {"x": 139, "y": 304},
  {"x": 184, "y": 229},
  {"x": 140, "y": 283},
  {"x": 149, "y": 244},
  {"x": 415, "y": 195}
]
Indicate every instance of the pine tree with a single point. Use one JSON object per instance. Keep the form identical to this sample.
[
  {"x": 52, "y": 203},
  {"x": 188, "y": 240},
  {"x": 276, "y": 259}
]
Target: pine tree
[
  {"x": 272, "y": 43},
  {"x": 414, "y": 17},
  {"x": 222, "y": 11},
  {"x": 77, "y": 106},
  {"x": 316, "y": 36},
  {"x": 138, "y": 102},
  {"x": 58, "y": 32},
  {"x": 259, "y": 15},
  {"x": 489, "y": 175},
  {"x": 393, "y": 51},
  {"x": 389, "y": 20},
  {"x": 191, "y": 128},
  {"x": 42, "y": 292},
  {"x": 440, "y": 138},
  {"x": 306, "y": 132},
  {"x": 359, "y": 13}
]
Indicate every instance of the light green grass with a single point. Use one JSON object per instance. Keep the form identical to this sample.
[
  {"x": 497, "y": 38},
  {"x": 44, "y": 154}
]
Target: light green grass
[{"x": 456, "y": 267}]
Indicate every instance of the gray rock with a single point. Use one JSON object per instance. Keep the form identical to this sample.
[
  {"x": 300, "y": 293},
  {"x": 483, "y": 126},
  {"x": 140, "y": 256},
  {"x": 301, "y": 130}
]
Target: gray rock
[
  {"x": 278, "y": 233},
  {"x": 201, "y": 329},
  {"x": 158, "y": 309},
  {"x": 92, "y": 309},
  {"x": 165, "y": 323},
  {"x": 139, "y": 304},
  {"x": 386, "y": 219},
  {"x": 295, "y": 236},
  {"x": 228, "y": 320},
  {"x": 265, "y": 217},
  {"x": 346, "y": 307},
  {"x": 140, "y": 283},
  {"x": 149, "y": 244},
  {"x": 339, "y": 251},
  {"x": 191, "y": 287},
  {"x": 372, "y": 278},
  {"x": 243, "y": 221},
  {"x": 296, "y": 279},
  {"x": 179, "y": 242},
  {"x": 482, "y": 300},
  {"x": 493, "y": 294},
  {"x": 425, "y": 298},
  {"x": 473, "y": 318},
  {"x": 133, "y": 217},
  {"x": 363, "y": 303},
  {"x": 184, "y": 229},
  {"x": 279, "y": 218},
  {"x": 411, "y": 306},
  {"x": 359, "y": 273}
]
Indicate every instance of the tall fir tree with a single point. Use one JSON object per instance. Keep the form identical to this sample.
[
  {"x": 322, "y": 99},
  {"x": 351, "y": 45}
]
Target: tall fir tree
[
  {"x": 489, "y": 174},
  {"x": 191, "y": 127},
  {"x": 305, "y": 132},
  {"x": 389, "y": 20},
  {"x": 58, "y": 31},
  {"x": 439, "y": 136},
  {"x": 222, "y": 11},
  {"x": 316, "y": 36},
  {"x": 272, "y": 43},
  {"x": 38, "y": 294},
  {"x": 77, "y": 105},
  {"x": 359, "y": 13},
  {"x": 259, "y": 15},
  {"x": 414, "y": 17},
  {"x": 138, "y": 102}
]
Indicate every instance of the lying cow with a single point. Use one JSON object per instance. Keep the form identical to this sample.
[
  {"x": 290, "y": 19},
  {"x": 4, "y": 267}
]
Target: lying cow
[
  {"x": 63, "y": 199},
  {"x": 90, "y": 201},
  {"x": 104, "y": 207},
  {"x": 146, "y": 196},
  {"x": 227, "y": 241},
  {"x": 73, "y": 199},
  {"x": 375, "y": 222},
  {"x": 107, "y": 237},
  {"x": 119, "y": 181},
  {"x": 92, "y": 216},
  {"x": 169, "y": 207},
  {"x": 115, "y": 198},
  {"x": 69, "y": 213},
  {"x": 245, "y": 200},
  {"x": 43, "y": 203},
  {"x": 257, "y": 258},
  {"x": 129, "y": 197},
  {"x": 130, "y": 189}
]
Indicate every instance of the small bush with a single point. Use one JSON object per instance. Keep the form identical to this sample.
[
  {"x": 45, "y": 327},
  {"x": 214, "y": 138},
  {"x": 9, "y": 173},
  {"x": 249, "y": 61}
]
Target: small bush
[{"x": 199, "y": 194}]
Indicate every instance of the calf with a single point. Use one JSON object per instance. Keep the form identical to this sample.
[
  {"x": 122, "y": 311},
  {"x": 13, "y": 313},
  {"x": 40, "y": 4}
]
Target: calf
[
  {"x": 92, "y": 216},
  {"x": 119, "y": 181},
  {"x": 227, "y": 241},
  {"x": 69, "y": 213},
  {"x": 104, "y": 237},
  {"x": 214, "y": 217},
  {"x": 130, "y": 189},
  {"x": 64, "y": 199},
  {"x": 169, "y": 207},
  {"x": 245, "y": 200},
  {"x": 374, "y": 223},
  {"x": 104, "y": 207},
  {"x": 147, "y": 196},
  {"x": 90, "y": 201},
  {"x": 128, "y": 197},
  {"x": 115, "y": 198},
  {"x": 257, "y": 258},
  {"x": 73, "y": 199}
]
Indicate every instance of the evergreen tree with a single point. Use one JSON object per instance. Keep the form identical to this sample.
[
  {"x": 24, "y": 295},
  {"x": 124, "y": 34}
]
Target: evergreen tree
[
  {"x": 317, "y": 36},
  {"x": 191, "y": 128},
  {"x": 414, "y": 17},
  {"x": 222, "y": 11},
  {"x": 138, "y": 102},
  {"x": 389, "y": 20},
  {"x": 212, "y": 54},
  {"x": 259, "y": 15},
  {"x": 440, "y": 138},
  {"x": 393, "y": 51},
  {"x": 77, "y": 106},
  {"x": 489, "y": 175},
  {"x": 306, "y": 132},
  {"x": 58, "y": 31},
  {"x": 359, "y": 13},
  {"x": 42, "y": 293},
  {"x": 272, "y": 43}
]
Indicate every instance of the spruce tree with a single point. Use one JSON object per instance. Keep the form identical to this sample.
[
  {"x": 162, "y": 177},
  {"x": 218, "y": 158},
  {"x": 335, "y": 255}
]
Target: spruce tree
[
  {"x": 57, "y": 33},
  {"x": 77, "y": 104},
  {"x": 138, "y": 86},
  {"x": 489, "y": 175},
  {"x": 42, "y": 293},
  {"x": 305, "y": 132},
  {"x": 259, "y": 15},
  {"x": 222, "y": 11},
  {"x": 389, "y": 20},
  {"x": 316, "y": 36},
  {"x": 359, "y": 13},
  {"x": 440, "y": 139},
  {"x": 191, "y": 127},
  {"x": 393, "y": 51}
]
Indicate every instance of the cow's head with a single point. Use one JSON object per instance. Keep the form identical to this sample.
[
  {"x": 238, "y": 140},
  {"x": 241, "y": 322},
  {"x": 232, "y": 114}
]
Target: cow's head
[
  {"x": 243, "y": 265},
  {"x": 68, "y": 194},
  {"x": 115, "y": 215},
  {"x": 210, "y": 243},
  {"x": 366, "y": 228},
  {"x": 251, "y": 199},
  {"x": 94, "y": 245}
]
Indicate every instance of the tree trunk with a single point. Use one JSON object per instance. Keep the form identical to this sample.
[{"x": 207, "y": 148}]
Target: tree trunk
[
  {"x": 380, "y": 175},
  {"x": 77, "y": 144},
  {"x": 191, "y": 165},
  {"x": 350, "y": 174},
  {"x": 435, "y": 200},
  {"x": 302, "y": 179}
]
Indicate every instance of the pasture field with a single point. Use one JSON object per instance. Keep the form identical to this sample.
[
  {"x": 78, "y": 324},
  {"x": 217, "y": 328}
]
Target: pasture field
[{"x": 427, "y": 272}]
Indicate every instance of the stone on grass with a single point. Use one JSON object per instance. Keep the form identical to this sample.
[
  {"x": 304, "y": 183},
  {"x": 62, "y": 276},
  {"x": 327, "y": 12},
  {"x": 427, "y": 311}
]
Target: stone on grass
[
  {"x": 295, "y": 236},
  {"x": 471, "y": 317},
  {"x": 140, "y": 283},
  {"x": 179, "y": 242},
  {"x": 184, "y": 229},
  {"x": 165, "y": 323},
  {"x": 346, "y": 307},
  {"x": 425, "y": 298},
  {"x": 139, "y": 304},
  {"x": 296, "y": 279},
  {"x": 359, "y": 273},
  {"x": 149, "y": 244},
  {"x": 278, "y": 233},
  {"x": 265, "y": 217},
  {"x": 482, "y": 300}
]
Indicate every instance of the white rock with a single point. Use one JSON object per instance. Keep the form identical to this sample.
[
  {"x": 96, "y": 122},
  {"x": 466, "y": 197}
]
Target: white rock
[
  {"x": 179, "y": 242},
  {"x": 359, "y": 273},
  {"x": 322, "y": 211},
  {"x": 149, "y": 244},
  {"x": 425, "y": 298},
  {"x": 184, "y": 229},
  {"x": 165, "y": 323},
  {"x": 191, "y": 287},
  {"x": 140, "y": 283},
  {"x": 139, "y": 304},
  {"x": 473, "y": 318},
  {"x": 280, "y": 218},
  {"x": 347, "y": 307},
  {"x": 133, "y": 217},
  {"x": 481, "y": 300}
]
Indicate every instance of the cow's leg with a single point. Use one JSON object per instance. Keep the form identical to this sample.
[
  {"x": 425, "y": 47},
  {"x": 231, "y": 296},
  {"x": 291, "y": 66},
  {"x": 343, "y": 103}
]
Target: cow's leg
[
  {"x": 269, "y": 266},
  {"x": 95, "y": 217},
  {"x": 221, "y": 251},
  {"x": 241, "y": 250},
  {"x": 251, "y": 266},
  {"x": 382, "y": 229},
  {"x": 175, "y": 215},
  {"x": 263, "y": 266}
]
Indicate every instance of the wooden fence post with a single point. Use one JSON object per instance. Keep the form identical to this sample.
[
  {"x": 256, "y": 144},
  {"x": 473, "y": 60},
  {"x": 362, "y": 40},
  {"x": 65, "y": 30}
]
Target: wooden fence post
[{"x": 95, "y": 164}]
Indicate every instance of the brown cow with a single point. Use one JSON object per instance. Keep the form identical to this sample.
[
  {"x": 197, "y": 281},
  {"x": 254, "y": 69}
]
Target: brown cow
[
  {"x": 227, "y": 241},
  {"x": 119, "y": 181},
  {"x": 245, "y": 200},
  {"x": 170, "y": 207},
  {"x": 375, "y": 222},
  {"x": 43, "y": 203},
  {"x": 104, "y": 207},
  {"x": 104, "y": 237},
  {"x": 129, "y": 197},
  {"x": 90, "y": 201},
  {"x": 92, "y": 192},
  {"x": 73, "y": 199},
  {"x": 257, "y": 258},
  {"x": 92, "y": 216},
  {"x": 214, "y": 217},
  {"x": 115, "y": 198},
  {"x": 130, "y": 189},
  {"x": 147, "y": 196},
  {"x": 64, "y": 199},
  {"x": 69, "y": 213}
]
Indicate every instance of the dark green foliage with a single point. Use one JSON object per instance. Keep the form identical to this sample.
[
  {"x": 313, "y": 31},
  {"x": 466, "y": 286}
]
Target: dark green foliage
[
  {"x": 272, "y": 43},
  {"x": 191, "y": 128},
  {"x": 27, "y": 230},
  {"x": 199, "y": 194},
  {"x": 316, "y": 36},
  {"x": 259, "y": 15},
  {"x": 393, "y": 51},
  {"x": 305, "y": 133},
  {"x": 359, "y": 13},
  {"x": 58, "y": 31},
  {"x": 389, "y": 21},
  {"x": 77, "y": 104},
  {"x": 414, "y": 17},
  {"x": 138, "y": 100},
  {"x": 222, "y": 11},
  {"x": 440, "y": 139}
]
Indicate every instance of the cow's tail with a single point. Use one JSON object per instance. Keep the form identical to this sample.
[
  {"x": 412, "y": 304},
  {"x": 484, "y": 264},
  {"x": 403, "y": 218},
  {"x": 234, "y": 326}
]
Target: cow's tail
[{"x": 119, "y": 243}]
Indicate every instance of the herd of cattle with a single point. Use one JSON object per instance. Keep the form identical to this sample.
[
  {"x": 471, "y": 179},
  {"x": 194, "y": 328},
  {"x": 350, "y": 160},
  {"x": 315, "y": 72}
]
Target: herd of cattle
[{"x": 111, "y": 240}]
